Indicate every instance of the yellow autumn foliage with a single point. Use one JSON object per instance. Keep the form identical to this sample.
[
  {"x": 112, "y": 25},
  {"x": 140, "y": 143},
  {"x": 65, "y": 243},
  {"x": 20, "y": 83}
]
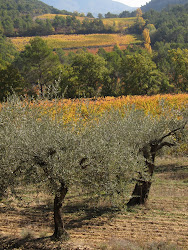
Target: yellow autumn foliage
[
  {"x": 71, "y": 41},
  {"x": 71, "y": 109}
]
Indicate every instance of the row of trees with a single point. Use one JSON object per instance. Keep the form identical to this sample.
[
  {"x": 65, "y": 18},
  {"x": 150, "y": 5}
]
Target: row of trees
[
  {"x": 100, "y": 158},
  {"x": 82, "y": 74},
  {"x": 67, "y": 25}
]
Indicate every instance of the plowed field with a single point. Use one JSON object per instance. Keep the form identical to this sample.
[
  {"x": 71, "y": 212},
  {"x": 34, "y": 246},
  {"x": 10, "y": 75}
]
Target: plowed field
[{"x": 163, "y": 222}]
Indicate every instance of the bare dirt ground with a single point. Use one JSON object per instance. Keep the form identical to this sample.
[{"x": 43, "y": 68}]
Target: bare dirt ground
[{"x": 161, "y": 224}]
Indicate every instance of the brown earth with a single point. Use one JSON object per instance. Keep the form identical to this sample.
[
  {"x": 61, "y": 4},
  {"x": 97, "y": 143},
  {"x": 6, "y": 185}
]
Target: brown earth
[{"x": 161, "y": 224}]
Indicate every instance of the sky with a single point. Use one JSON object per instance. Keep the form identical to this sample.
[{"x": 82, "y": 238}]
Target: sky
[{"x": 133, "y": 3}]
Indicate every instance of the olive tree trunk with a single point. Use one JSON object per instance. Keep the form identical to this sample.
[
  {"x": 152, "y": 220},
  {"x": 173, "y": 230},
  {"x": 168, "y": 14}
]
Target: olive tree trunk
[
  {"x": 141, "y": 191},
  {"x": 59, "y": 232}
]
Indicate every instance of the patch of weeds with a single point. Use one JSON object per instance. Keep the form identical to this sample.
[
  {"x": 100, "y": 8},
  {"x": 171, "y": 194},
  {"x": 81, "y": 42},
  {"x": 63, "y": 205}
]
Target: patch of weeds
[
  {"x": 162, "y": 245},
  {"x": 43, "y": 234},
  {"x": 103, "y": 246},
  {"x": 26, "y": 233},
  {"x": 121, "y": 244}
]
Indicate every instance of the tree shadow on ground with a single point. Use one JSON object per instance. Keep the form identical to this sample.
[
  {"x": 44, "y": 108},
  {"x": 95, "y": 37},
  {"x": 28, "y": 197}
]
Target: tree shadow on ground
[
  {"x": 173, "y": 171},
  {"x": 76, "y": 215},
  {"x": 10, "y": 243},
  {"x": 43, "y": 243},
  {"x": 84, "y": 215},
  {"x": 39, "y": 217},
  {"x": 170, "y": 168}
]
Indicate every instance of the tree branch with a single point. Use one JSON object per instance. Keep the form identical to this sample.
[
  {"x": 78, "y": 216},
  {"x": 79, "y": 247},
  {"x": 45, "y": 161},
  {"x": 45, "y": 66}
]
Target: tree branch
[
  {"x": 82, "y": 162},
  {"x": 168, "y": 144},
  {"x": 171, "y": 132},
  {"x": 43, "y": 164}
]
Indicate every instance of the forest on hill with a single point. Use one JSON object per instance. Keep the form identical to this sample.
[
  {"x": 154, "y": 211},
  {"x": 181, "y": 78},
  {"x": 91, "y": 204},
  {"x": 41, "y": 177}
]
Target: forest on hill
[
  {"x": 158, "y": 5},
  {"x": 170, "y": 24},
  {"x": 20, "y": 18},
  {"x": 32, "y": 7},
  {"x": 16, "y": 17},
  {"x": 158, "y": 65}
]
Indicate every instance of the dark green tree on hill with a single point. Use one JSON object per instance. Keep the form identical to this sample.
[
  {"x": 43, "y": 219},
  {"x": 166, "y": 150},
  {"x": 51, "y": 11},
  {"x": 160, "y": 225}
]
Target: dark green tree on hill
[
  {"x": 7, "y": 51},
  {"x": 179, "y": 69},
  {"x": 11, "y": 82},
  {"x": 89, "y": 73},
  {"x": 38, "y": 64},
  {"x": 140, "y": 75}
]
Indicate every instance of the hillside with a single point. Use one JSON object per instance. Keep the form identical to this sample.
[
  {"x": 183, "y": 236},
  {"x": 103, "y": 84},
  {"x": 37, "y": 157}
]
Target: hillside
[
  {"x": 23, "y": 18},
  {"x": 161, "y": 4},
  {"x": 93, "y": 6},
  {"x": 31, "y": 7},
  {"x": 16, "y": 17},
  {"x": 171, "y": 24}
]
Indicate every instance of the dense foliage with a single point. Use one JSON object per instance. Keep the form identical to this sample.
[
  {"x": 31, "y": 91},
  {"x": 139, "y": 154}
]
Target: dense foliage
[
  {"x": 19, "y": 18},
  {"x": 60, "y": 25},
  {"x": 37, "y": 64},
  {"x": 7, "y": 51},
  {"x": 33, "y": 7}
]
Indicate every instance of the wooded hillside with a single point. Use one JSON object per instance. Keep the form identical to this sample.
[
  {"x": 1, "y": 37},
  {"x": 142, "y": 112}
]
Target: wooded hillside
[
  {"x": 17, "y": 16},
  {"x": 161, "y": 4}
]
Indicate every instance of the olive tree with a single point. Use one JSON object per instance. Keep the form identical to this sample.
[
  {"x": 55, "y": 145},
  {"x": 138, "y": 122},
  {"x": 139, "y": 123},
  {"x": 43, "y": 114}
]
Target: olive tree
[
  {"x": 101, "y": 156},
  {"x": 168, "y": 130},
  {"x": 144, "y": 136},
  {"x": 41, "y": 148}
]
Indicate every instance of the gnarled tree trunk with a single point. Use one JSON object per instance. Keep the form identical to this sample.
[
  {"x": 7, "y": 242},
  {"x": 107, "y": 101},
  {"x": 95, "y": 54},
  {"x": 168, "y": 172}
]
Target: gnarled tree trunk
[
  {"x": 59, "y": 231},
  {"x": 142, "y": 187},
  {"x": 141, "y": 190}
]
